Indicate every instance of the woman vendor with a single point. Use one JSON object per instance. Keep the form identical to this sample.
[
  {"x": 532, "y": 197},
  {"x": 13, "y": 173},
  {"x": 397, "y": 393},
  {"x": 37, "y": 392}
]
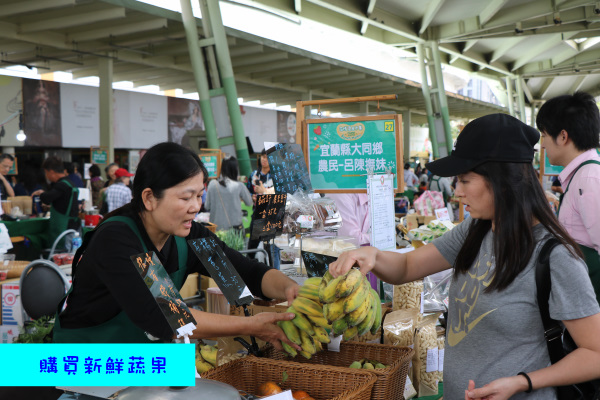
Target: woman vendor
[{"x": 110, "y": 303}]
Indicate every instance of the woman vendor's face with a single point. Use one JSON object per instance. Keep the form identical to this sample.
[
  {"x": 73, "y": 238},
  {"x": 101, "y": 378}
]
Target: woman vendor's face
[
  {"x": 476, "y": 194},
  {"x": 111, "y": 172},
  {"x": 176, "y": 210}
]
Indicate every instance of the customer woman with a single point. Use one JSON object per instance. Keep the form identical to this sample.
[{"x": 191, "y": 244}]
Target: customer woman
[
  {"x": 110, "y": 303},
  {"x": 494, "y": 329},
  {"x": 225, "y": 196},
  {"x": 96, "y": 183}
]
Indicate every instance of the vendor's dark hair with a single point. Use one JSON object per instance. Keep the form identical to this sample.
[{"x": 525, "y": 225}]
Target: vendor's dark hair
[
  {"x": 94, "y": 170},
  {"x": 163, "y": 166},
  {"x": 53, "y": 164},
  {"x": 577, "y": 114},
  {"x": 229, "y": 169},
  {"x": 518, "y": 200}
]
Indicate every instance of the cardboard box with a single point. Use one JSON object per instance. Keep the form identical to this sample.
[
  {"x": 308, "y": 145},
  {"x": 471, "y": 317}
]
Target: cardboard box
[
  {"x": 415, "y": 220},
  {"x": 254, "y": 309},
  {"x": 12, "y": 313},
  {"x": 8, "y": 333}
]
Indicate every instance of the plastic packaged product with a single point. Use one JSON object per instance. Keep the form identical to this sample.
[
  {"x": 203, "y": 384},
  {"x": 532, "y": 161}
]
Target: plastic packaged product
[
  {"x": 300, "y": 215},
  {"x": 329, "y": 245},
  {"x": 327, "y": 212}
]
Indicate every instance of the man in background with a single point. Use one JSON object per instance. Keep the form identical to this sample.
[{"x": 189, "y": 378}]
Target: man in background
[
  {"x": 570, "y": 127},
  {"x": 6, "y": 163}
]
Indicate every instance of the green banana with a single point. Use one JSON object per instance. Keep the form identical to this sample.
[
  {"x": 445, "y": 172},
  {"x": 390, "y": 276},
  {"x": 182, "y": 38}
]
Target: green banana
[
  {"x": 366, "y": 324},
  {"x": 378, "y": 316},
  {"x": 291, "y": 332},
  {"x": 310, "y": 292},
  {"x": 289, "y": 349},
  {"x": 319, "y": 321},
  {"x": 357, "y": 316},
  {"x": 308, "y": 343},
  {"x": 356, "y": 365},
  {"x": 334, "y": 310},
  {"x": 339, "y": 326},
  {"x": 321, "y": 335},
  {"x": 307, "y": 306},
  {"x": 209, "y": 354},
  {"x": 350, "y": 333},
  {"x": 357, "y": 297},
  {"x": 315, "y": 281},
  {"x": 301, "y": 321},
  {"x": 328, "y": 294},
  {"x": 349, "y": 284}
]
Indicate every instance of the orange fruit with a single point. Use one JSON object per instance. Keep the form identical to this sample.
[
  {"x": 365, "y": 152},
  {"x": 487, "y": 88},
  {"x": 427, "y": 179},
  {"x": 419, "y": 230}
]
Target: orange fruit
[{"x": 268, "y": 389}]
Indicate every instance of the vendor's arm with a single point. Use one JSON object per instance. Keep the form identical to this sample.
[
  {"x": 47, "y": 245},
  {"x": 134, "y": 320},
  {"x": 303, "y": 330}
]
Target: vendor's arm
[
  {"x": 262, "y": 326},
  {"x": 48, "y": 196},
  {"x": 276, "y": 285},
  {"x": 7, "y": 186}
]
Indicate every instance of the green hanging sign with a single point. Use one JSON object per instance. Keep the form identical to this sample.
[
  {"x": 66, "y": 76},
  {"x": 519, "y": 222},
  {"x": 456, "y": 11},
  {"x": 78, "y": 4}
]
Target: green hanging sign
[{"x": 340, "y": 151}]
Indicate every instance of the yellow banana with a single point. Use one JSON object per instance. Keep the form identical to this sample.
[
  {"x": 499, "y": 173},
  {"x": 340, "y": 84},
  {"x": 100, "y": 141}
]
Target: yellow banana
[
  {"x": 327, "y": 295},
  {"x": 305, "y": 354},
  {"x": 334, "y": 310},
  {"x": 308, "y": 343},
  {"x": 366, "y": 324},
  {"x": 289, "y": 349},
  {"x": 357, "y": 316},
  {"x": 318, "y": 345},
  {"x": 377, "y": 321},
  {"x": 315, "y": 281},
  {"x": 209, "y": 354},
  {"x": 350, "y": 333},
  {"x": 321, "y": 335},
  {"x": 310, "y": 292},
  {"x": 339, "y": 326},
  {"x": 307, "y": 306},
  {"x": 327, "y": 277},
  {"x": 319, "y": 321},
  {"x": 203, "y": 366},
  {"x": 349, "y": 284},
  {"x": 291, "y": 332},
  {"x": 301, "y": 322},
  {"x": 357, "y": 297}
]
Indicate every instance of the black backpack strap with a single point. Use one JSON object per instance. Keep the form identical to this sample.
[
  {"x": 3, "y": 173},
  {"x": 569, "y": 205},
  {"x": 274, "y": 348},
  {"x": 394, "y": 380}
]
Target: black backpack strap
[{"x": 552, "y": 329}]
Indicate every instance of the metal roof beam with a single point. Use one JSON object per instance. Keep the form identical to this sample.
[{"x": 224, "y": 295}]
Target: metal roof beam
[
  {"x": 543, "y": 92},
  {"x": 286, "y": 75},
  {"x": 490, "y": 10},
  {"x": 296, "y": 62},
  {"x": 506, "y": 45},
  {"x": 577, "y": 84},
  {"x": 430, "y": 12},
  {"x": 258, "y": 59},
  {"x": 315, "y": 78},
  {"x": 22, "y": 6},
  {"x": 79, "y": 19},
  {"x": 534, "y": 51},
  {"x": 120, "y": 29}
]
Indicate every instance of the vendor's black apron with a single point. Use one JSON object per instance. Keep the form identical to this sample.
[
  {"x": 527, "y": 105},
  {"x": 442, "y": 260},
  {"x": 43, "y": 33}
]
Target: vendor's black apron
[
  {"x": 119, "y": 329},
  {"x": 59, "y": 222},
  {"x": 592, "y": 259}
]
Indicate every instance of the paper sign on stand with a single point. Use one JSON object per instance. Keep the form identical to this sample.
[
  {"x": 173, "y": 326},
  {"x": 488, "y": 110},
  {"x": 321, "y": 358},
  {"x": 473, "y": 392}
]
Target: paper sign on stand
[
  {"x": 442, "y": 214},
  {"x": 380, "y": 189}
]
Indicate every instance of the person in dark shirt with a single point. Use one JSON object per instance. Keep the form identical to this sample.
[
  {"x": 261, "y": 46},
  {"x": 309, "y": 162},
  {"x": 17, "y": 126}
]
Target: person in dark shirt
[
  {"x": 6, "y": 163},
  {"x": 72, "y": 174},
  {"x": 109, "y": 302},
  {"x": 62, "y": 199}
]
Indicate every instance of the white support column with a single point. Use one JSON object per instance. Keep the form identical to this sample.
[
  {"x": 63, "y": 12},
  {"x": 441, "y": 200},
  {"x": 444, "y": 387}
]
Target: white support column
[{"x": 105, "y": 91}]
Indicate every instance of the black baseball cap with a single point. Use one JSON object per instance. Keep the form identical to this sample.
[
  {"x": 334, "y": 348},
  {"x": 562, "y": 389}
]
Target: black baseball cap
[{"x": 494, "y": 137}]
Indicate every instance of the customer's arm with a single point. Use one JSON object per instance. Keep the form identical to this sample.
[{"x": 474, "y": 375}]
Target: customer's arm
[{"x": 7, "y": 186}]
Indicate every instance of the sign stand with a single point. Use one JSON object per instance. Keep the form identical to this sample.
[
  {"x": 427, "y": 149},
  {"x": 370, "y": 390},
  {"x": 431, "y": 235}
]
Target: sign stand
[{"x": 212, "y": 158}]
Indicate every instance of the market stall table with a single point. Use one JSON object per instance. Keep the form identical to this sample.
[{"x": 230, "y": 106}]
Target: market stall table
[{"x": 32, "y": 230}]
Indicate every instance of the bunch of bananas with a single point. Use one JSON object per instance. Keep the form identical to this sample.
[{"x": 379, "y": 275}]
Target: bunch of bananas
[
  {"x": 351, "y": 306},
  {"x": 309, "y": 329},
  {"x": 206, "y": 358}
]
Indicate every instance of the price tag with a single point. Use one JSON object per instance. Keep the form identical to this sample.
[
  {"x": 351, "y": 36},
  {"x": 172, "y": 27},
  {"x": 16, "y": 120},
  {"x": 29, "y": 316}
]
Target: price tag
[
  {"x": 306, "y": 221},
  {"x": 441, "y": 360},
  {"x": 221, "y": 270},
  {"x": 163, "y": 289},
  {"x": 287, "y": 395},
  {"x": 432, "y": 360},
  {"x": 316, "y": 264},
  {"x": 442, "y": 214},
  {"x": 268, "y": 216}
]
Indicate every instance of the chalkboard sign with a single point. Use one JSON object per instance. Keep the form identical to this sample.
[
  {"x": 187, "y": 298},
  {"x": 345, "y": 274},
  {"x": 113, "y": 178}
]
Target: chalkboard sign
[
  {"x": 288, "y": 168},
  {"x": 340, "y": 151},
  {"x": 162, "y": 288},
  {"x": 316, "y": 264},
  {"x": 222, "y": 271},
  {"x": 268, "y": 216}
]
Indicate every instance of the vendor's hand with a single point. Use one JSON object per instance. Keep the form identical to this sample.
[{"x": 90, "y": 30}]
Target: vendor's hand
[
  {"x": 364, "y": 257},
  {"x": 37, "y": 192},
  {"x": 291, "y": 292},
  {"x": 500, "y": 389},
  {"x": 266, "y": 329},
  {"x": 259, "y": 189}
]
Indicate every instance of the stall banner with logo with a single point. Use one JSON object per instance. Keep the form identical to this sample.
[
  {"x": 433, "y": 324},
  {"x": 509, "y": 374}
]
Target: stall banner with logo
[{"x": 340, "y": 151}]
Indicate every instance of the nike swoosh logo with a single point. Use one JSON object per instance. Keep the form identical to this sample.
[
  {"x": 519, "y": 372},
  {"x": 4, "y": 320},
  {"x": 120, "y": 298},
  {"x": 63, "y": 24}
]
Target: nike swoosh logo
[{"x": 455, "y": 338}]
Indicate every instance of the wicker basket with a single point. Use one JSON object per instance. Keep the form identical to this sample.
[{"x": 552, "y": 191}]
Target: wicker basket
[
  {"x": 210, "y": 226},
  {"x": 15, "y": 268},
  {"x": 390, "y": 380},
  {"x": 320, "y": 381}
]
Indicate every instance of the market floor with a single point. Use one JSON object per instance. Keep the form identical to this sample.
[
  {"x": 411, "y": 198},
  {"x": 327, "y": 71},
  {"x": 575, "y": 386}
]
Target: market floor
[{"x": 30, "y": 393}]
